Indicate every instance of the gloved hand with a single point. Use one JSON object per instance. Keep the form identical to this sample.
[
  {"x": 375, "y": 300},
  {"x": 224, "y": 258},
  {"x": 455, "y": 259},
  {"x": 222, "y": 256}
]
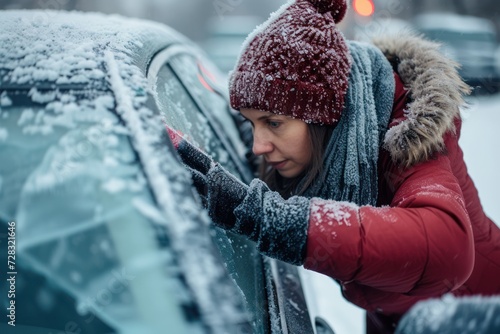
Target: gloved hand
[
  {"x": 278, "y": 226},
  {"x": 220, "y": 191}
]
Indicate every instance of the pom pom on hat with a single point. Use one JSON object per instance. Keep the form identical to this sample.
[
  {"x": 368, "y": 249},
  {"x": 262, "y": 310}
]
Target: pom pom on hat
[
  {"x": 338, "y": 8},
  {"x": 296, "y": 64}
]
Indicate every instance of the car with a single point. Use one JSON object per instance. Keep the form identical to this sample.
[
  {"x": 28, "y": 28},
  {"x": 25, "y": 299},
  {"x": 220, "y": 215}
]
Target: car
[
  {"x": 226, "y": 38},
  {"x": 382, "y": 26},
  {"x": 471, "y": 41},
  {"x": 101, "y": 227}
]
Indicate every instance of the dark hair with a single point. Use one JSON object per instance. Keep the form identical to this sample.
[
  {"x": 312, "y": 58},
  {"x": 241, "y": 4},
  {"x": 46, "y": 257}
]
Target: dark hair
[{"x": 319, "y": 136}]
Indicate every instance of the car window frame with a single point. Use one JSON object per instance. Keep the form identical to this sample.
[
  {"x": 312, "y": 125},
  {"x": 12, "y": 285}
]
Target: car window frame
[{"x": 161, "y": 59}]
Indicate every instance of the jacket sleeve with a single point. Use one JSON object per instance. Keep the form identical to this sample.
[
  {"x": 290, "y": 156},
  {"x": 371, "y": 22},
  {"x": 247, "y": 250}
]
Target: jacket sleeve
[{"x": 421, "y": 244}]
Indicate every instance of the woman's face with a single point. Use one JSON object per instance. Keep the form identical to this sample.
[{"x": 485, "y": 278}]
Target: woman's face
[{"x": 284, "y": 142}]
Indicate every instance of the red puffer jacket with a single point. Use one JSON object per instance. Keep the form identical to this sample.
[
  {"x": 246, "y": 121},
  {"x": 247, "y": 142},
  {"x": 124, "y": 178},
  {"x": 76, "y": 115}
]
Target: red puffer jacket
[{"x": 427, "y": 236}]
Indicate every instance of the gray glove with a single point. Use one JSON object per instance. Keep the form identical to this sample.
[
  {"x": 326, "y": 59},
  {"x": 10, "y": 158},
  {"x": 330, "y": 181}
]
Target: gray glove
[{"x": 278, "y": 226}]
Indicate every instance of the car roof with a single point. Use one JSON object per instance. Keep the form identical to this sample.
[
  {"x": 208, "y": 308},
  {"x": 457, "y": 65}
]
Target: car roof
[{"x": 44, "y": 46}]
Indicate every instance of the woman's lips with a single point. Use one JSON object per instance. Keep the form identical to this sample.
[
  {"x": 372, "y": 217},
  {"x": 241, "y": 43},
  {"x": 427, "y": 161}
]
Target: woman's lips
[{"x": 278, "y": 164}]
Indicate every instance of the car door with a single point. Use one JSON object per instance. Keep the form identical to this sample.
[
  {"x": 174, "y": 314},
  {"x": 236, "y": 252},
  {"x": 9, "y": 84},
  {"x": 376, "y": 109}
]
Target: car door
[
  {"x": 272, "y": 289},
  {"x": 182, "y": 97}
]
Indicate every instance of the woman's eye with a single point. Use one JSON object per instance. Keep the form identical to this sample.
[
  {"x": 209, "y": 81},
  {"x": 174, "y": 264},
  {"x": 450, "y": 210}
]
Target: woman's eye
[{"x": 273, "y": 124}]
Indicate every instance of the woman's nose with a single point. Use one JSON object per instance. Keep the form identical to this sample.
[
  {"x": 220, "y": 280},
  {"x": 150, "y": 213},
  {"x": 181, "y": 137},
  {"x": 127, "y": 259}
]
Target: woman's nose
[{"x": 261, "y": 145}]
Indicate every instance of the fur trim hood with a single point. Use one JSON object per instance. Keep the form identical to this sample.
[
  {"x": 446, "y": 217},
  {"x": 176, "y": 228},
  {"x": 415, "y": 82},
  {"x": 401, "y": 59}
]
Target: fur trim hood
[{"x": 436, "y": 93}]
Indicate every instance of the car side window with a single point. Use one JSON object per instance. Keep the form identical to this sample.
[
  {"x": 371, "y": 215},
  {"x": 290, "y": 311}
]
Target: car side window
[
  {"x": 181, "y": 112},
  {"x": 208, "y": 89}
]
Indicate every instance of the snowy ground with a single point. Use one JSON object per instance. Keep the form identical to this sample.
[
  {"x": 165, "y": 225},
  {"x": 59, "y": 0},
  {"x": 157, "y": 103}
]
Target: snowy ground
[{"x": 481, "y": 125}]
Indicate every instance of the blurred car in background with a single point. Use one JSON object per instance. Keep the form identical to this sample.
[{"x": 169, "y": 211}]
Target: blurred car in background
[
  {"x": 382, "y": 27},
  {"x": 469, "y": 40},
  {"x": 226, "y": 38},
  {"x": 110, "y": 236}
]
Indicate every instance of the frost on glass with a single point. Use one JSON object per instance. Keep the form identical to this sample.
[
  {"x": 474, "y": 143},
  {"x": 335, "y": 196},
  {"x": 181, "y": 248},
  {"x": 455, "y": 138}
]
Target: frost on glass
[
  {"x": 5, "y": 101},
  {"x": 204, "y": 83},
  {"x": 181, "y": 112},
  {"x": 82, "y": 223}
]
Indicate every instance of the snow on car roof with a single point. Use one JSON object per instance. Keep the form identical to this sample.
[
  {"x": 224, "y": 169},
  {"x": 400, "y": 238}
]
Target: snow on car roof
[
  {"x": 47, "y": 51},
  {"x": 61, "y": 47}
]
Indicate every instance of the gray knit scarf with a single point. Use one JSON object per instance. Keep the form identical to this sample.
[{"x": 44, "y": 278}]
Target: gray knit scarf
[{"x": 350, "y": 165}]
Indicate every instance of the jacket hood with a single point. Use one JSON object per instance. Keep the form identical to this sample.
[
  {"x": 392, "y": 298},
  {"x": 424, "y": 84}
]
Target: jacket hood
[{"x": 436, "y": 94}]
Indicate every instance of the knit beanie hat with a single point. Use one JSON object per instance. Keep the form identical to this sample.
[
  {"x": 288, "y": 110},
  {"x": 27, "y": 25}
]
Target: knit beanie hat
[{"x": 296, "y": 63}]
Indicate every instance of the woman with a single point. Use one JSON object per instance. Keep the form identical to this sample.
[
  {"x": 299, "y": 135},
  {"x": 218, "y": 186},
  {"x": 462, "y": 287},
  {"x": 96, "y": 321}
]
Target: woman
[{"x": 365, "y": 180}]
